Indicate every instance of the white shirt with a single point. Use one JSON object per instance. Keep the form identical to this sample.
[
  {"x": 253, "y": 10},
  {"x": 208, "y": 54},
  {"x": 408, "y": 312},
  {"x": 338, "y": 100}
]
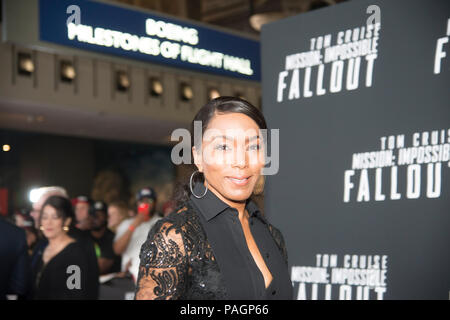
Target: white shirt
[{"x": 133, "y": 249}]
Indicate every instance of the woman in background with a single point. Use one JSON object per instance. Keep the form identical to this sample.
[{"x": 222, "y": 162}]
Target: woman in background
[{"x": 62, "y": 268}]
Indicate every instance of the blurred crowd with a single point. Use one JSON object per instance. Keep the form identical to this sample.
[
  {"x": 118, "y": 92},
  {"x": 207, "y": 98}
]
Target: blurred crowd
[{"x": 75, "y": 248}]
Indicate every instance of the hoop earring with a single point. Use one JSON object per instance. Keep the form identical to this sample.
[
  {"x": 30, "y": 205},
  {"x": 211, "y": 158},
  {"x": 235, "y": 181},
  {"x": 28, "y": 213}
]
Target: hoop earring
[
  {"x": 192, "y": 190},
  {"x": 66, "y": 228}
]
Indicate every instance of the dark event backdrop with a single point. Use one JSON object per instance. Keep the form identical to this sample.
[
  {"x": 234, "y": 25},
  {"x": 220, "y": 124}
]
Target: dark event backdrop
[{"x": 360, "y": 94}]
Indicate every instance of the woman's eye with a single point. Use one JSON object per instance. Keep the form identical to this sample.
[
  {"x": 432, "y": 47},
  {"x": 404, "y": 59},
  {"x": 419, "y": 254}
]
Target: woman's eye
[
  {"x": 255, "y": 147},
  {"x": 222, "y": 147}
]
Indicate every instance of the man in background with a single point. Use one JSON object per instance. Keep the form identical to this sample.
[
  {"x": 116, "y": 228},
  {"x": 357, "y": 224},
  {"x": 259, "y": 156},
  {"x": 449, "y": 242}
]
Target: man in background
[
  {"x": 81, "y": 205},
  {"x": 103, "y": 238},
  {"x": 14, "y": 266},
  {"x": 132, "y": 232}
]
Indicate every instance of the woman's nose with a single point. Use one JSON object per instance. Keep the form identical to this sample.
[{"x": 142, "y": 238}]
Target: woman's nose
[{"x": 239, "y": 158}]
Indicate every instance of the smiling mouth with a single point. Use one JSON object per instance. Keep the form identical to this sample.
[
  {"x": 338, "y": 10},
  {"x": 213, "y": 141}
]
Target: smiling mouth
[{"x": 239, "y": 181}]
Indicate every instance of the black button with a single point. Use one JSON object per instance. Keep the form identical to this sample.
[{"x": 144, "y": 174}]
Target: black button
[
  {"x": 274, "y": 292},
  {"x": 267, "y": 255}
]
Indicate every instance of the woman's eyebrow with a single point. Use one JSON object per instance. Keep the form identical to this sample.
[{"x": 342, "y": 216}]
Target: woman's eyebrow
[
  {"x": 231, "y": 138},
  {"x": 221, "y": 136},
  {"x": 253, "y": 138}
]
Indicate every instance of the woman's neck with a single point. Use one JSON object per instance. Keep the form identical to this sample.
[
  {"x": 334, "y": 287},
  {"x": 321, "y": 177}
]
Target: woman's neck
[
  {"x": 238, "y": 205},
  {"x": 59, "y": 240}
]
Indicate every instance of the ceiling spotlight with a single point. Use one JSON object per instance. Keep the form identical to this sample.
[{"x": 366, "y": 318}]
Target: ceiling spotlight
[
  {"x": 68, "y": 72},
  {"x": 6, "y": 147},
  {"x": 122, "y": 81},
  {"x": 186, "y": 92},
  {"x": 213, "y": 93},
  {"x": 259, "y": 19},
  {"x": 25, "y": 64},
  {"x": 156, "y": 87}
]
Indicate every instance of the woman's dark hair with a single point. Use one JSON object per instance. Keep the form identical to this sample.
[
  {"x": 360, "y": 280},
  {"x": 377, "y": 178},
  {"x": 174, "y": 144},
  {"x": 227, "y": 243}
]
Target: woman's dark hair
[
  {"x": 221, "y": 105},
  {"x": 63, "y": 207}
]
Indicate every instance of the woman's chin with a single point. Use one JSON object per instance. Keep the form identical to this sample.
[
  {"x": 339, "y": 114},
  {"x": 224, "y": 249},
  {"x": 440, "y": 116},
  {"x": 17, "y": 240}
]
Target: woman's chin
[{"x": 238, "y": 195}]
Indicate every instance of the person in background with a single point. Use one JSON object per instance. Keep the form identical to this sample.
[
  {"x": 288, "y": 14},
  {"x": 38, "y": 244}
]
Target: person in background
[
  {"x": 81, "y": 206},
  {"x": 131, "y": 212},
  {"x": 82, "y": 236},
  {"x": 62, "y": 256},
  {"x": 25, "y": 221},
  {"x": 14, "y": 266},
  {"x": 44, "y": 194},
  {"x": 132, "y": 232},
  {"x": 117, "y": 212},
  {"x": 103, "y": 238},
  {"x": 20, "y": 219},
  {"x": 32, "y": 238}
]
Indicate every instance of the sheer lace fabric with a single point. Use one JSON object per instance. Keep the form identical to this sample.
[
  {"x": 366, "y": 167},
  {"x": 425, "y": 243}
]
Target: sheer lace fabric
[{"x": 177, "y": 261}]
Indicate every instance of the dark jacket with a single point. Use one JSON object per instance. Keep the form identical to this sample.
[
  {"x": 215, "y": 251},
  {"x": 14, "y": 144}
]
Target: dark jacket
[
  {"x": 14, "y": 263},
  {"x": 64, "y": 277},
  {"x": 85, "y": 240}
]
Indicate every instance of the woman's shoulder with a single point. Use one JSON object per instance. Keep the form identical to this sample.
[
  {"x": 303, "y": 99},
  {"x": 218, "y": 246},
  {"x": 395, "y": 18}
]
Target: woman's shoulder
[
  {"x": 178, "y": 225},
  {"x": 74, "y": 248},
  {"x": 72, "y": 253},
  {"x": 166, "y": 240},
  {"x": 179, "y": 217}
]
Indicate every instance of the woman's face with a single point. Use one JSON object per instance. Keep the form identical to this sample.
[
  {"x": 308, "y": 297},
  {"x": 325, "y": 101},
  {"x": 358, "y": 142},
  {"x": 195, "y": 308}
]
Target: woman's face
[
  {"x": 232, "y": 156},
  {"x": 114, "y": 216},
  {"x": 52, "y": 224}
]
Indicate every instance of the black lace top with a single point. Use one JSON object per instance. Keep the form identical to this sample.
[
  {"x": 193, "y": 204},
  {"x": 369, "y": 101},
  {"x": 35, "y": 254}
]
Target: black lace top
[{"x": 196, "y": 253}]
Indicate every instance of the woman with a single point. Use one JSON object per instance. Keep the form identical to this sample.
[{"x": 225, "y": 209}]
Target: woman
[
  {"x": 61, "y": 270},
  {"x": 218, "y": 245}
]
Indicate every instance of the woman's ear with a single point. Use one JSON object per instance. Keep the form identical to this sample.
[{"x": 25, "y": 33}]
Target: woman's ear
[{"x": 197, "y": 158}]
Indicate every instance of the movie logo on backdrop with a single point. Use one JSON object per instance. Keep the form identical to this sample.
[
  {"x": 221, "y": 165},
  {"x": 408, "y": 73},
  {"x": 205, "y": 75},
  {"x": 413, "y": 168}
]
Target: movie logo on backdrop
[
  {"x": 347, "y": 277},
  {"x": 334, "y": 60},
  {"x": 441, "y": 52},
  {"x": 428, "y": 151}
]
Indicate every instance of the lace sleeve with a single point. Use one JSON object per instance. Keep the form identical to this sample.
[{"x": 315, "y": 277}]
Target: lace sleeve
[
  {"x": 278, "y": 237},
  {"x": 163, "y": 265}
]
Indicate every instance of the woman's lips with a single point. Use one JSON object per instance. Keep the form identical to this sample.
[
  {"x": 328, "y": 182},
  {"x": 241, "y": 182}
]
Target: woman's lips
[{"x": 239, "y": 181}]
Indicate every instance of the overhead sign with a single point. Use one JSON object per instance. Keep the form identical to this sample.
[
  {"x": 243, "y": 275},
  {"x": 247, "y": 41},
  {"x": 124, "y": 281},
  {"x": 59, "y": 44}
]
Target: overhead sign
[{"x": 135, "y": 34}]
